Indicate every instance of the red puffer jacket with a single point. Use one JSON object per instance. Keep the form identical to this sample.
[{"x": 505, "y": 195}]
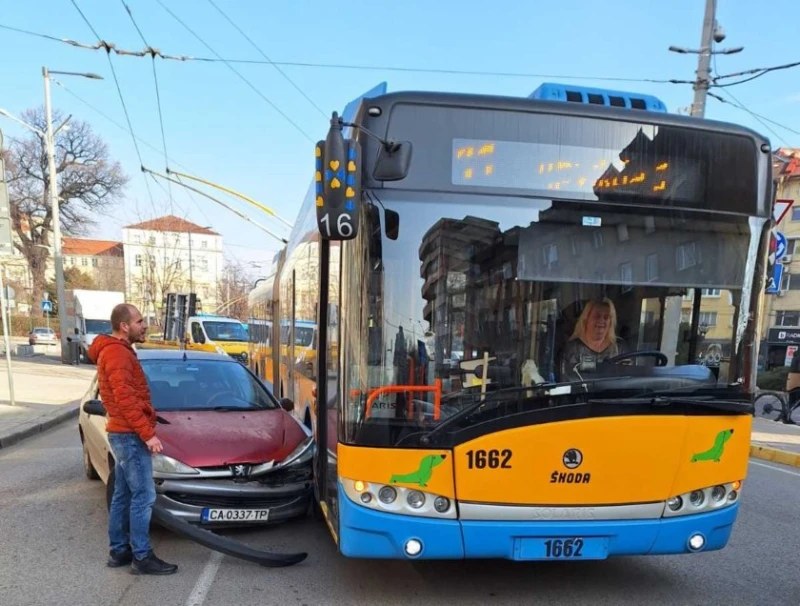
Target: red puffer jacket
[{"x": 123, "y": 387}]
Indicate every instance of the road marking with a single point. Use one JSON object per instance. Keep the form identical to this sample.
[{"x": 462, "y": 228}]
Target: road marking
[
  {"x": 791, "y": 473},
  {"x": 203, "y": 585}
]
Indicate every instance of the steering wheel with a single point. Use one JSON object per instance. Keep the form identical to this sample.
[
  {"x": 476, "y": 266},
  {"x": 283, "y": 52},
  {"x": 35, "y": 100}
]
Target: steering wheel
[
  {"x": 661, "y": 359},
  {"x": 230, "y": 394}
]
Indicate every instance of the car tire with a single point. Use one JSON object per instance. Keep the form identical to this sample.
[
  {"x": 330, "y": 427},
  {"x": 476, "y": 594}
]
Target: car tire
[{"x": 88, "y": 468}]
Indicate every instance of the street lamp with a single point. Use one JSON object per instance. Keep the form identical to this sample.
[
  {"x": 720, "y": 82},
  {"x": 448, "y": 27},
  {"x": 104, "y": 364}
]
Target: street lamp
[{"x": 51, "y": 161}]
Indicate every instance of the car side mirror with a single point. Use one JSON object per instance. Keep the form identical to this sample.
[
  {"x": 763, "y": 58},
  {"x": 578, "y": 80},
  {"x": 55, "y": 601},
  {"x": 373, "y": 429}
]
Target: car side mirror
[
  {"x": 94, "y": 407},
  {"x": 287, "y": 404}
]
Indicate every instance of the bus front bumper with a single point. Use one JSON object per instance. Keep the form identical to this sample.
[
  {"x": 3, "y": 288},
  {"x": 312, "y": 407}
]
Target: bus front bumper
[{"x": 364, "y": 533}]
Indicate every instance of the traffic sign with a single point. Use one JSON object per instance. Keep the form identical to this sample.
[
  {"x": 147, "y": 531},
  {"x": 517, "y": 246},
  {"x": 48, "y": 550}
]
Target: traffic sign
[
  {"x": 780, "y": 209},
  {"x": 774, "y": 281},
  {"x": 47, "y": 306},
  {"x": 780, "y": 246}
]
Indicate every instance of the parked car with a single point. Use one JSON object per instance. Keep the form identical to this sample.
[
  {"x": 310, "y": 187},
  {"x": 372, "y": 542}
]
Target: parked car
[
  {"x": 41, "y": 335},
  {"x": 233, "y": 454}
]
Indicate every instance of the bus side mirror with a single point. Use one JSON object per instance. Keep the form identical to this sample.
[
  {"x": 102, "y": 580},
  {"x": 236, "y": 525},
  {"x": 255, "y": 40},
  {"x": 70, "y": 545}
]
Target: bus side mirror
[
  {"x": 337, "y": 183},
  {"x": 394, "y": 160}
]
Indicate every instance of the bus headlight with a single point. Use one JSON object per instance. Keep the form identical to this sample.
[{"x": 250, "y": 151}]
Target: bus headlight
[
  {"x": 400, "y": 500},
  {"x": 387, "y": 495},
  {"x": 675, "y": 503},
  {"x": 702, "y": 500},
  {"x": 697, "y": 498},
  {"x": 415, "y": 499}
]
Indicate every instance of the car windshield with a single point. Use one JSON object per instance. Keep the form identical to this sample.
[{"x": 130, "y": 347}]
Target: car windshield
[
  {"x": 303, "y": 335},
  {"x": 98, "y": 327},
  {"x": 204, "y": 385},
  {"x": 225, "y": 331},
  {"x": 484, "y": 293}
]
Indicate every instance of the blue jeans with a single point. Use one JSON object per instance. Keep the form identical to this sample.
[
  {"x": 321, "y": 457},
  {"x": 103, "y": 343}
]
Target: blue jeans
[{"x": 134, "y": 495}]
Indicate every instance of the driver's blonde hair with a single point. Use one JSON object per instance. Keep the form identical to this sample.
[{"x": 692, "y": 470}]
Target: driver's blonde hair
[{"x": 611, "y": 335}]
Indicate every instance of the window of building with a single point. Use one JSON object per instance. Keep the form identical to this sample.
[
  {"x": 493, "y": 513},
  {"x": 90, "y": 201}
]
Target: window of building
[
  {"x": 95, "y": 262},
  {"x": 787, "y": 318},
  {"x": 84, "y": 261},
  {"x": 203, "y": 244},
  {"x": 686, "y": 256},
  {"x": 652, "y": 267},
  {"x": 795, "y": 214},
  {"x": 626, "y": 276},
  {"x": 711, "y": 292},
  {"x": 138, "y": 260},
  {"x": 550, "y": 253},
  {"x": 708, "y": 318}
]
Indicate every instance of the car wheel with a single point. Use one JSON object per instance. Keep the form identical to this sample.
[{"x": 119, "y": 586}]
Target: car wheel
[
  {"x": 88, "y": 468},
  {"x": 110, "y": 488}
]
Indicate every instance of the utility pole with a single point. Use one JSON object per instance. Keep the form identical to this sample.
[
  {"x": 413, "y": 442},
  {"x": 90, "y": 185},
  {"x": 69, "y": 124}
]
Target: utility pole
[
  {"x": 53, "y": 187},
  {"x": 712, "y": 32},
  {"x": 704, "y": 61}
]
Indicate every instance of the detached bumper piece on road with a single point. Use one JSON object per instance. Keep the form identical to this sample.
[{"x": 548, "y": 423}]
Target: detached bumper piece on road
[
  {"x": 225, "y": 545},
  {"x": 365, "y": 533}
]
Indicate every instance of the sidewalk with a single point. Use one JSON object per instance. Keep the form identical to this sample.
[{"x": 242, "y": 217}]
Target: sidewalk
[
  {"x": 46, "y": 392},
  {"x": 775, "y": 442}
]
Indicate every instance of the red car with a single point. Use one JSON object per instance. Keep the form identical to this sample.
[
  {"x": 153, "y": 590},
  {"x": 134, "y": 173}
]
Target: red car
[{"x": 232, "y": 453}]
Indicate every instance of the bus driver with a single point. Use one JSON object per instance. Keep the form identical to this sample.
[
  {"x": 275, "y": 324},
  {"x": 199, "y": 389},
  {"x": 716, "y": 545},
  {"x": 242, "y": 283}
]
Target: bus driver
[{"x": 593, "y": 341}]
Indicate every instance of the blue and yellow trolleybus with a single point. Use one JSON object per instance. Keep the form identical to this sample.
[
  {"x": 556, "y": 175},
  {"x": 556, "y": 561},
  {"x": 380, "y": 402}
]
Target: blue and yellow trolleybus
[{"x": 515, "y": 300}]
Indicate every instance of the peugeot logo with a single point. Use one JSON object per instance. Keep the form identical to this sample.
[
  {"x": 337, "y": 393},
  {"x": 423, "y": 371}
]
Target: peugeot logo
[
  {"x": 240, "y": 471},
  {"x": 573, "y": 458}
]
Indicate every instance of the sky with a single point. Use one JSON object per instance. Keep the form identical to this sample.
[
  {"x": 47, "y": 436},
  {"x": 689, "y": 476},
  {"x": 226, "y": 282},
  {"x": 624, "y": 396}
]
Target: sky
[{"x": 258, "y": 138}]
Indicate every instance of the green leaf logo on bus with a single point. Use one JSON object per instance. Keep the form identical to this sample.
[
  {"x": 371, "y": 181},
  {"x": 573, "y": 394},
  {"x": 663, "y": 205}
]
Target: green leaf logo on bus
[
  {"x": 715, "y": 452},
  {"x": 423, "y": 474}
]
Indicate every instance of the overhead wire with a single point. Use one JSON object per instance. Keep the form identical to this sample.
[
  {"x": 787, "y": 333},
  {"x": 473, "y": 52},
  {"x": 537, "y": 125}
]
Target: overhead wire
[
  {"x": 271, "y": 62},
  {"x": 188, "y": 194},
  {"x": 221, "y": 203},
  {"x": 761, "y": 119},
  {"x": 237, "y": 72},
  {"x": 158, "y": 96},
  {"x": 759, "y": 70},
  {"x": 739, "y": 105},
  {"x": 110, "y": 47},
  {"x": 122, "y": 101}
]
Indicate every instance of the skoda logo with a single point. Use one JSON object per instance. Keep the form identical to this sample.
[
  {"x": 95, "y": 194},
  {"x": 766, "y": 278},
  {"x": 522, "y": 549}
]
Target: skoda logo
[{"x": 573, "y": 458}]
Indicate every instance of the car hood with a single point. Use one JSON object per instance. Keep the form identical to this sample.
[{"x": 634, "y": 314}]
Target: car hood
[{"x": 206, "y": 438}]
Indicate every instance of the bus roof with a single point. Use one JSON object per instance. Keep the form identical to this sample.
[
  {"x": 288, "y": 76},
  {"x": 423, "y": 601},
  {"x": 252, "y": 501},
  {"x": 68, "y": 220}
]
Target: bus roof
[{"x": 386, "y": 101}]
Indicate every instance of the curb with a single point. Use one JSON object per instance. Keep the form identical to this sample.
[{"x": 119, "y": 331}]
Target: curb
[
  {"x": 784, "y": 457},
  {"x": 40, "y": 424}
]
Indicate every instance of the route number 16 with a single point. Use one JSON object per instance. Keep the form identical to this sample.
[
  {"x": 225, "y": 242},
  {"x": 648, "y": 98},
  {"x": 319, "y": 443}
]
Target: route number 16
[{"x": 344, "y": 225}]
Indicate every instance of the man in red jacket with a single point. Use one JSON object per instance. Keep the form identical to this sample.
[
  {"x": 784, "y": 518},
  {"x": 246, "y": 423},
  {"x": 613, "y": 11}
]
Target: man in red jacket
[{"x": 131, "y": 428}]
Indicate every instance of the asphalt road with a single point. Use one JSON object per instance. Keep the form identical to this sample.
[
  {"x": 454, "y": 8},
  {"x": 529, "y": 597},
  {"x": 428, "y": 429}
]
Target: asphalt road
[{"x": 53, "y": 550}]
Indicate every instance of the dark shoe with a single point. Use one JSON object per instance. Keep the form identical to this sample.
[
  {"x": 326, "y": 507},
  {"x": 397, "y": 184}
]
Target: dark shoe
[
  {"x": 119, "y": 558},
  {"x": 152, "y": 565}
]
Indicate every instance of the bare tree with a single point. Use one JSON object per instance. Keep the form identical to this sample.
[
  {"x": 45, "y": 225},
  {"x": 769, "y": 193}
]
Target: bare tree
[
  {"x": 89, "y": 181},
  {"x": 233, "y": 290},
  {"x": 163, "y": 271}
]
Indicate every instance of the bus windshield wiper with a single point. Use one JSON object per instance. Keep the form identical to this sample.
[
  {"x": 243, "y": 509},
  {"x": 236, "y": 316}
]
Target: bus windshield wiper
[
  {"x": 546, "y": 390},
  {"x": 699, "y": 401}
]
